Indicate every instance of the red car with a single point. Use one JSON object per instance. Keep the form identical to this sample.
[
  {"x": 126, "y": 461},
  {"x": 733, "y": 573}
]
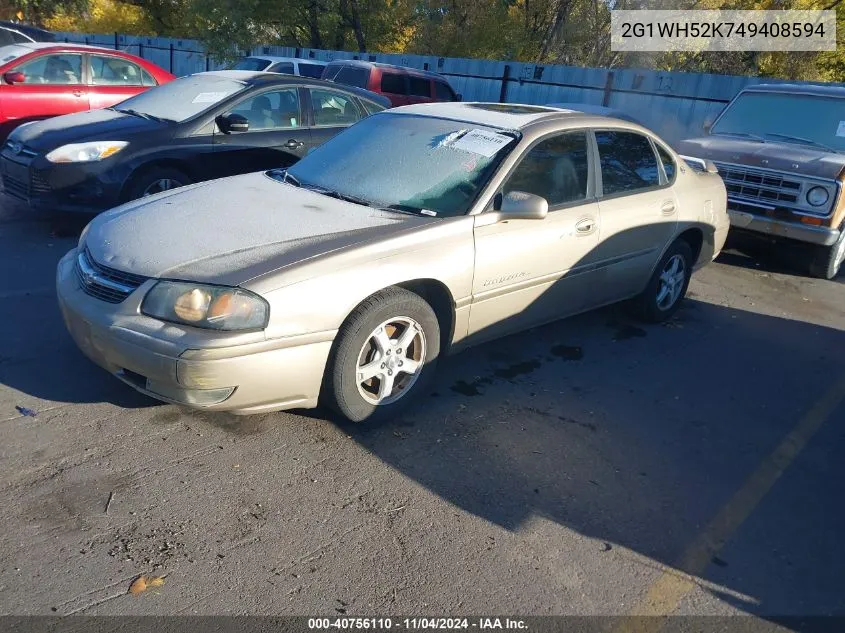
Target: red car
[
  {"x": 44, "y": 79},
  {"x": 403, "y": 86}
]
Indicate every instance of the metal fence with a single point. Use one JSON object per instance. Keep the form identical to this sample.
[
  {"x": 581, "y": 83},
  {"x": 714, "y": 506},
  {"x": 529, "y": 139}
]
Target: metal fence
[{"x": 674, "y": 104}]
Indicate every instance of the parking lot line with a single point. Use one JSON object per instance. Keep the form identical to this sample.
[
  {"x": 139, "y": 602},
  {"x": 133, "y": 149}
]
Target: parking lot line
[{"x": 667, "y": 592}]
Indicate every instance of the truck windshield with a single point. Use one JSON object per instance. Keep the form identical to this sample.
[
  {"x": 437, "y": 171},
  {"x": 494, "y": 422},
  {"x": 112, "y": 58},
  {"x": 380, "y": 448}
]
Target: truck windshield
[{"x": 803, "y": 119}]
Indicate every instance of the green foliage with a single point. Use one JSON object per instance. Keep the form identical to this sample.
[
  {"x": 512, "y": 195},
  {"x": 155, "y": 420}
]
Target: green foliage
[{"x": 572, "y": 32}]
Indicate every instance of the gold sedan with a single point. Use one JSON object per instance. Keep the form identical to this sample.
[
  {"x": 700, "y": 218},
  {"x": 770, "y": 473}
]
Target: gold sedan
[{"x": 415, "y": 233}]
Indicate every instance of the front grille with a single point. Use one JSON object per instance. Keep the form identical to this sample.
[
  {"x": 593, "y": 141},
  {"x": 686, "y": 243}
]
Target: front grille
[
  {"x": 104, "y": 283},
  {"x": 758, "y": 185},
  {"x": 39, "y": 184},
  {"x": 15, "y": 187}
]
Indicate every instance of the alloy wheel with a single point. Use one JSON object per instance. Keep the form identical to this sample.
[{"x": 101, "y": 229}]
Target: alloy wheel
[{"x": 390, "y": 361}]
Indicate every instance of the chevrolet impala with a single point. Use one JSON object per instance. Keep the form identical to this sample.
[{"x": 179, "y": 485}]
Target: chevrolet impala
[{"x": 415, "y": 233}]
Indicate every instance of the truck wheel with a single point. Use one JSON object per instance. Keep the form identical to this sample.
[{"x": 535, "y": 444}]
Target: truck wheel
[{"x": 828, "y": 259}]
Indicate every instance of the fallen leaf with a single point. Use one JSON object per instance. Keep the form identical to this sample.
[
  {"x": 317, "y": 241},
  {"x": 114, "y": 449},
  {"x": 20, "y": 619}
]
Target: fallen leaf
[{"x": 142, "y": 583}]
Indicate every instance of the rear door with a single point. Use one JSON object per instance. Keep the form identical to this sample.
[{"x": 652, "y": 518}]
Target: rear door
[
  {"x": 54, "y": 84},
  {"x": 277, "y": 136},
  {"x": 394, "y": 86},
  {"x": 331, "y": 111},
  {"x": 113, "y": 79},
  {"x": 638, "y": 212},
  {"x": 419, "y": 89}
]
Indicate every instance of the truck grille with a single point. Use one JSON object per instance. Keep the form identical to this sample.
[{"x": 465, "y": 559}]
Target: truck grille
[
  {"x": 758, "y": 185},
  {"x": 104, "y": 283}
]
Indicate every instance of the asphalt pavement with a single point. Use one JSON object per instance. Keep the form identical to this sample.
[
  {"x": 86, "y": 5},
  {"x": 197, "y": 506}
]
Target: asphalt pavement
[{"x": 596, "y": 466}]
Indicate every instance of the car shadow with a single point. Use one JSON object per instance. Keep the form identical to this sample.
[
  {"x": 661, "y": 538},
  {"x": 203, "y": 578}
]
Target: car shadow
[{"x": 636, "y": 436}]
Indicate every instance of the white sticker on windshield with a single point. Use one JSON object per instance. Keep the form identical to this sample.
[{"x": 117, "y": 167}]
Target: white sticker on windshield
[
  {"x": 841, "y": 129},
  {"x": 209, "y": 97},
  {"x": 482, "y": 142},
  {"x": 428, "y": 212}
]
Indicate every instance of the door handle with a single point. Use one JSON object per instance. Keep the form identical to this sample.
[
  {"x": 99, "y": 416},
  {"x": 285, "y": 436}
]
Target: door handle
[
  {"x": 667, "y": 208},
  {"x": 585, "y": 226},
  {"x": 294, "y": 144},
  {"x": 77, "y": 93}
]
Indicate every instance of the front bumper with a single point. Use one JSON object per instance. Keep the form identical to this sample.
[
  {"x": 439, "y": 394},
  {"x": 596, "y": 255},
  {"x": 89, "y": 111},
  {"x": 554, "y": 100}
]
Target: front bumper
[
  {"x": 824, "y": 236},
  {"x": 221, "y": 371},
  {"x": 86, "y": 188}
]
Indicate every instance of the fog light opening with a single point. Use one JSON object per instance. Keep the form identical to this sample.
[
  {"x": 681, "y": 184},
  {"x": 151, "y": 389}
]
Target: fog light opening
[{"x": 200, "y": 397}]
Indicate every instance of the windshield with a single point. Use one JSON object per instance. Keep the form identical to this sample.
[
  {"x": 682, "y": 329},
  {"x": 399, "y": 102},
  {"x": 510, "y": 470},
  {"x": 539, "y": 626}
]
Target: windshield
[
  {"x": 181, "y": 99},
  {"x": 797, "y": 118},
  {"x": 251, "y": 63},
  {"x": 409, "y": 163},
  {"x": 10, "y": 52}
]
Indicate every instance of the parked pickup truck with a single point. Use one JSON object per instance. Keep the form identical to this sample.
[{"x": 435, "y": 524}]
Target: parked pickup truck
[{"x": 780, "y": 150}]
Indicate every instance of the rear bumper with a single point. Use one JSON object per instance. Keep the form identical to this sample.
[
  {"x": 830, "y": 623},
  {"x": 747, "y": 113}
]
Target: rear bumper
[
  {"x": 154, "y": 358},
  {"x": 824, "y": 236}
]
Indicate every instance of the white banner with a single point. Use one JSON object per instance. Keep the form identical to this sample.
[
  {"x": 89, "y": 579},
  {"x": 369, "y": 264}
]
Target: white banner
[{"x": 717, "y": 30}]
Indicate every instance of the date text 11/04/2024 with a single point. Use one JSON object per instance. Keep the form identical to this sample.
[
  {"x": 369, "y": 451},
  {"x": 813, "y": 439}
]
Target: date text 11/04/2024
[{"x": 416, "y": 623}]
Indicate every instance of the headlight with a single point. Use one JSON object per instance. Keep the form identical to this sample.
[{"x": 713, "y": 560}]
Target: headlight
[
  {"x": 817, "y": 196},
  {"x": 85, "y": 152},
  {"x": 211, "y": 307}
]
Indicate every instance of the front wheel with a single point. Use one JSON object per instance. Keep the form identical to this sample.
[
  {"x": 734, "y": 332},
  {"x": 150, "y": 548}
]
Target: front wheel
[
  {"x": 384, "y": 355},
  {"x": 668, "y": 284},
  {"x": 155, "y": 180},
  {"x": 828, "y": 259}
]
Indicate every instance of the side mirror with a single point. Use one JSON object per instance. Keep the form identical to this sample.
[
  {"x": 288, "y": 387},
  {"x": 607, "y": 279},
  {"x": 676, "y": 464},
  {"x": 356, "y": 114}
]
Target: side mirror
[
  {"x": 232, "y": 122},
  {"x": 521, "y": 205},
  {"x": 14, "y": 77}
]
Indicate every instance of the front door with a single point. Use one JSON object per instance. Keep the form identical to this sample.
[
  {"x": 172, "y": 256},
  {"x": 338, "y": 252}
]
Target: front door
[
  {"x": 53, "y": 85},
  {"x": 638, "y": 213},
  {"x": 277, "y": 135},
  {"x": 529, "y": 272}
]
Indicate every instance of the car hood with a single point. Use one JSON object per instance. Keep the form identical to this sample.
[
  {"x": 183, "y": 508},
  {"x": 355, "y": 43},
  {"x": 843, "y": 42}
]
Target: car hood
[
  {"x": 231, "y": 230},
  {"x": 788, "y": 157},
  {"x": 95, "y": 125}
]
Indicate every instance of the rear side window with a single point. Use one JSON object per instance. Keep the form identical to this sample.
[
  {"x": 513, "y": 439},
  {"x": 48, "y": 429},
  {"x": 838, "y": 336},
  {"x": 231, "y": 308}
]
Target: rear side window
[
  {"x": 419, "y": 86},
  {"x": 285, "y": 68},
  {"x": 371, "y": 107},
  {"x": 351, "y": 76},
  {"x": 668, "y": 162},
  {"x": 251, "y": 63},
  {"x": 314, "y": 71},
  {"x": 393, "y": 83},
  {"x": 628, "y": 163},
  {"x": 330, "y": 71},
  {"x": 442, "y": 91}
]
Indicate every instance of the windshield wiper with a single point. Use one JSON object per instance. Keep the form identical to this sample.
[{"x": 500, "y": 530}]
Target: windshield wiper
[
  {"x": 403, "y": 208},
  {"x": 800, "y": 139},
  {"x": 756, "y": 137},
  {"x": 287, "y": 177},
  {"x": 336, "y": 194},
  {"x": 143, "y": 115}
]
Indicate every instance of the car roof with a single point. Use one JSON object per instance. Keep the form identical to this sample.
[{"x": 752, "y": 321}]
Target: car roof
[
  {"x": 507, "y": 116},
  {"x": 364, "y": 64},
  {"x": 259, "y": 77},
  {"x": 37, "y": 46},
  {"x": 811, "y": 89},
  {"x": 301, "y": 60}
]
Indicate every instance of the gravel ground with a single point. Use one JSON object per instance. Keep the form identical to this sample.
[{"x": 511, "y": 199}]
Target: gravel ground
[{"x": 579, "y": 468}]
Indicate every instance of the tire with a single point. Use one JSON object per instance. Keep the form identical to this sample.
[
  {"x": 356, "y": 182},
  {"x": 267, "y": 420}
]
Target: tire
[
  {"x": 144, "y": 183},
  {"x": 827, "y": 260},
  {"x": 652, "y": 305},
  {"x": 394, "y": 311}
]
